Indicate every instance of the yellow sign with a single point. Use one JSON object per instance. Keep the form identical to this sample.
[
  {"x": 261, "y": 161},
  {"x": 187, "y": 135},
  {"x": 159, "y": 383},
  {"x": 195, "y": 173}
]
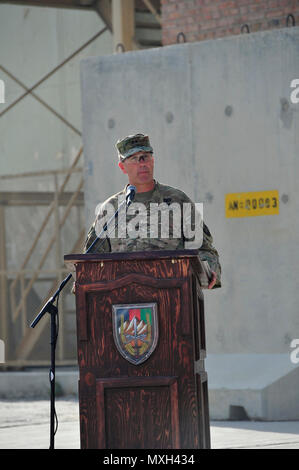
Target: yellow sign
[{"x": 252, "y": 204}]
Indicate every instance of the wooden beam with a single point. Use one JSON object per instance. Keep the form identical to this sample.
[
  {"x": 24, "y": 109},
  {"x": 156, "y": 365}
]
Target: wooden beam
[
  {"x": 3, "y": 282},
  {"x": 36, "y": 198},
  {"x": 153, "y": 10},
  {"x": 76, "y": 4},
  {"x": 28, "y": 174},
  {"x": 104, "y": 9},
  {"x": 123, "y": 24}
]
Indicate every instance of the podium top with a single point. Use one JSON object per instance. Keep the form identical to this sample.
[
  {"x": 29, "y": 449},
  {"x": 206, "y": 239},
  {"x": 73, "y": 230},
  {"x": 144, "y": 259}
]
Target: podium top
[
  {"x": 72, "y": 260},
  {"x": 129, "y": 255}
]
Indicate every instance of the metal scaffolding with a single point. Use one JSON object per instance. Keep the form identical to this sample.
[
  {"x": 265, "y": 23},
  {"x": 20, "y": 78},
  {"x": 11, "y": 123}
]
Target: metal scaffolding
[
  {"x": 16, "y": 287},
  {"x": 19, "y": 285}
]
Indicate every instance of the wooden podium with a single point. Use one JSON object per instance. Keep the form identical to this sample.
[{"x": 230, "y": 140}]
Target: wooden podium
[{"x": 141, "y": 350}]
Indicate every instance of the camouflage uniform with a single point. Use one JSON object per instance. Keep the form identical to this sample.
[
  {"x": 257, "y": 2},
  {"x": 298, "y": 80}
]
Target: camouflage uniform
[
  {"x": 165, "y": 197},
  {"x": 160, "y": 194}
]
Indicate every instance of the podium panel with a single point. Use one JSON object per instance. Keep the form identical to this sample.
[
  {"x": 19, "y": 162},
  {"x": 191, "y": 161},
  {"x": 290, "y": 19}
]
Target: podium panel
[
  {"x": 141, "y": 350},
  {"x": 138, "y": 413}
]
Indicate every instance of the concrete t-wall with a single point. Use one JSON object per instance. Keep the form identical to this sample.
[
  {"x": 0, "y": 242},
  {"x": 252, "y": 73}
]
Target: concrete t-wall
[{"x": 180, "y": 95}]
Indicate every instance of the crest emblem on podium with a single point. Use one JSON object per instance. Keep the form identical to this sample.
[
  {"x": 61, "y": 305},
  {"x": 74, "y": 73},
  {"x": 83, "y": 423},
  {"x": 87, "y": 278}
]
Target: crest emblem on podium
[{"x": 135, "y": 330}]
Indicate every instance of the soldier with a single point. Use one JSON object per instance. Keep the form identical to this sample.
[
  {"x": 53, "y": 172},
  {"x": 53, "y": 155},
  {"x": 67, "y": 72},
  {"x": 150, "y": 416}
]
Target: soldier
[{"x": 137, "y": 161}]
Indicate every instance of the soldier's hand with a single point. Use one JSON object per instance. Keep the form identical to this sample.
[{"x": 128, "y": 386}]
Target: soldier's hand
[
  {"x": 213, "y": 281},
  {"x": 74, "y": 288}
]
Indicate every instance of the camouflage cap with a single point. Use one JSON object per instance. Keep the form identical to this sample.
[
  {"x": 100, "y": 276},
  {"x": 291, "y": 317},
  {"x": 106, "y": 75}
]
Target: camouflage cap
[{"x": 132, "y": 144}]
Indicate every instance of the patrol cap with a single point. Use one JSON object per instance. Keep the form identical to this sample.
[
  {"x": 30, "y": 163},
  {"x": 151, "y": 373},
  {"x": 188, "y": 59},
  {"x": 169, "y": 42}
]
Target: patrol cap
[{"x": 132, "y": 144}]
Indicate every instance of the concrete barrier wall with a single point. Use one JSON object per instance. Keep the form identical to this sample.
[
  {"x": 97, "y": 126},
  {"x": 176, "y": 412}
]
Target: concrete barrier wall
[{"x": 221, "y": 121}]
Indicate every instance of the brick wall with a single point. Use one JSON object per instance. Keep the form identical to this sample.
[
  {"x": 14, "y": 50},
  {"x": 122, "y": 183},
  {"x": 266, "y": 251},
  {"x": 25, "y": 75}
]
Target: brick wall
[{"x": 208, "y": 19}]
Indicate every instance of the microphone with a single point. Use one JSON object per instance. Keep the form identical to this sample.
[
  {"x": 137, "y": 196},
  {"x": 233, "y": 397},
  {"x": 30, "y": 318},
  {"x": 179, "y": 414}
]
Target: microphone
[{"x": 130, "y": 194}]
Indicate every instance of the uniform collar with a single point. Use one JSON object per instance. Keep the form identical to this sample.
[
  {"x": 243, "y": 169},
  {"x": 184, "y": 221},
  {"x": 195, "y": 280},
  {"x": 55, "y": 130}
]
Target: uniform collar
[{"x": 156, "y": 187}]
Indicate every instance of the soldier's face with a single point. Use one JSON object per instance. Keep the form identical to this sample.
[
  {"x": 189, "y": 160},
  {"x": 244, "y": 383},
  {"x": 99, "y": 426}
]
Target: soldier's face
[{"x": 139, "y": 168}]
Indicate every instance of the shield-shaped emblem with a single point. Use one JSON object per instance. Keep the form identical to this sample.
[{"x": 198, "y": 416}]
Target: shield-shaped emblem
[{"x": 135, "y": 330}]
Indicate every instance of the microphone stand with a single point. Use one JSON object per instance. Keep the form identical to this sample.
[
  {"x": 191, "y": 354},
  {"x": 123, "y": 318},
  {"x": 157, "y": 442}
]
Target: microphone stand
[{"x": 52, "y": 309}]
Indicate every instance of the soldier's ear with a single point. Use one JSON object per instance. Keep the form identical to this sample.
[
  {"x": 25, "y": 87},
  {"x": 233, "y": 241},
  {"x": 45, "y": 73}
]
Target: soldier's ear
[{"x": 122, "y": 167}]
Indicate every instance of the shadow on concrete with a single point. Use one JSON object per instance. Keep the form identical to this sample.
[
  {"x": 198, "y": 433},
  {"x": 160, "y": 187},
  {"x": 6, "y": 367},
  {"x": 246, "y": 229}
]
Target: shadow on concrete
[{"x": 285, "y": 427}]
